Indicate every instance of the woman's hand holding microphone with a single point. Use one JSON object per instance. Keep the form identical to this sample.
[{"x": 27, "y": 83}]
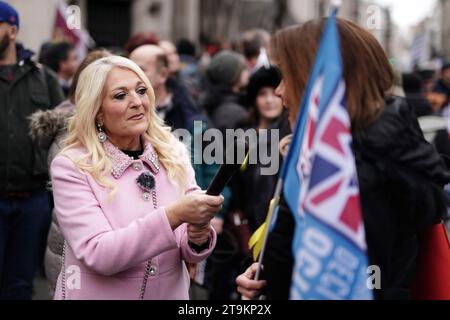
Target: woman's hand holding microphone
[{"x": 197, "y": 209}]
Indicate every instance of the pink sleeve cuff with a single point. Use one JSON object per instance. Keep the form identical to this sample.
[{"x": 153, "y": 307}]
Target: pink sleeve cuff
[{"x": 190, "y": 255}]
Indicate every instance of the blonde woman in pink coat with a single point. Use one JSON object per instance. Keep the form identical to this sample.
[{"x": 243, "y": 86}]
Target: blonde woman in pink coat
[{"x": 125, "y": 194}]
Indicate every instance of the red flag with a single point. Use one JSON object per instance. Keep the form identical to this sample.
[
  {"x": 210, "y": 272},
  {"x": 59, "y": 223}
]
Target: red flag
[{"x": 67, "y": 28}]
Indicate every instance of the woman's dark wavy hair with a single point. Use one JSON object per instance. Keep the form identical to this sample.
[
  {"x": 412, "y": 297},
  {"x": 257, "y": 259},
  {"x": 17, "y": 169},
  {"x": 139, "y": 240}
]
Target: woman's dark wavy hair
[{"x": 367, "y": 71}]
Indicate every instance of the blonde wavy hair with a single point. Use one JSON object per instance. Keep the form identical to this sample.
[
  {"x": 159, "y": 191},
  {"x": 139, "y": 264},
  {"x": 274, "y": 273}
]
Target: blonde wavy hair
[{"x": 82, "y": 132}]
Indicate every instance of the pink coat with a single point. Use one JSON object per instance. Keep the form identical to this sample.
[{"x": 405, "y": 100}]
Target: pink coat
[{"x": 121, "y": 248}]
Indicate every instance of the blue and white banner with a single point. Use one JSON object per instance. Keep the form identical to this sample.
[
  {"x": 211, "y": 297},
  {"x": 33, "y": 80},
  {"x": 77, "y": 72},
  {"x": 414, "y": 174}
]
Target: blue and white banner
[{"x": 321, "y": 188}]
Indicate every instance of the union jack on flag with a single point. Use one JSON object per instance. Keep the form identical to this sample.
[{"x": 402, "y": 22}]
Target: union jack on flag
[
  {"x": 332, "y": 195},
  {"x": 304, "y": 166},
  {"x": 321, "y": 188}
]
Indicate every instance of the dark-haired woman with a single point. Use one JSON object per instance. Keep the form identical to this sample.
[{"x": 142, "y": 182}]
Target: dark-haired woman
[{"x": 401, "y": 176}]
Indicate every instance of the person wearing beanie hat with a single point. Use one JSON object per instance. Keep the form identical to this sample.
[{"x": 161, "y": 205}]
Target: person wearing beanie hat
[
  {"x": 9, "y": 25},
  {"x": 8, "y": 14},
  {"x": 254, "y": 190},
  {"x": 227, "y": 76},
  {"x": 261, "y": 96},
  {"x": 25, "y": 213},
  {"x": 226, "y": 69}
]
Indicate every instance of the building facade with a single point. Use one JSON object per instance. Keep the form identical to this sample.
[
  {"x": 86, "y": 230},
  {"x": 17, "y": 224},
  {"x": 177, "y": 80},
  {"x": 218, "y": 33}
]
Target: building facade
[
  {"x": 430, "y": 38},
  {"x": 444, "y": 11},
  {"x": 111, "y": 22}
]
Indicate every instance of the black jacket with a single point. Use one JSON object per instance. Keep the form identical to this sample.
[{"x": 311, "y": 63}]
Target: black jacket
[
  {"x": 184, "y": 110},
  {"x": 401, "y": 179},
  {"x": 26, "y": 89},
  {"x": 223, "y": 107},
  {"x": 252, "y": 191},
  {"x": 420, "y": 104}
]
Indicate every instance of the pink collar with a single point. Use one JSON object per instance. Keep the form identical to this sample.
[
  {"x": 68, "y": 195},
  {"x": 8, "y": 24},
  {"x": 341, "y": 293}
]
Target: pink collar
[{"x": 121, "y": 162}]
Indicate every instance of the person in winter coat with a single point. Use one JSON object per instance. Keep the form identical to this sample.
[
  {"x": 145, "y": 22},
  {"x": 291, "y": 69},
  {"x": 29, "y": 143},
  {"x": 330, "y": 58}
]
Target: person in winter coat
[
  {"x": 25, "y": 212},
  {"x": 254, "y": 189},
  {"x": 125, "y": 194},
  {"x": 401, "y": 176},
  {"x": 227, "y": 76},
  {"x": 48, "y": 129}
]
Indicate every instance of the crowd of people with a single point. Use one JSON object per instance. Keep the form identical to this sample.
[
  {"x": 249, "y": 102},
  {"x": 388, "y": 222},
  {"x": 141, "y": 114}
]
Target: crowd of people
[{"x": 92, "y": 177}]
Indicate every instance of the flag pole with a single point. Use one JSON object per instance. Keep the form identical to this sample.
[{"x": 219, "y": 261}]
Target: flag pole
[
  {"x": 276, "y": 199},
  {"x": 335, "y": 6}
]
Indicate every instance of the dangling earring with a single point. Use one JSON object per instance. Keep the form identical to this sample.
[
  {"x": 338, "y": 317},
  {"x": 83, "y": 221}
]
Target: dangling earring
[{"x": 101, "y": 136}]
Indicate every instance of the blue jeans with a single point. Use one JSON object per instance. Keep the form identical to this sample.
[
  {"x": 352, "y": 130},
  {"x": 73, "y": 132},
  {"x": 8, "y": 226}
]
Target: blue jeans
[{"x": 24, "y": 225}]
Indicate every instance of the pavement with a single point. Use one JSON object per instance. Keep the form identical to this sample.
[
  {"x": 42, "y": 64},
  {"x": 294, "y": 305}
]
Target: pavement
[{"x": 40, "y": 288}]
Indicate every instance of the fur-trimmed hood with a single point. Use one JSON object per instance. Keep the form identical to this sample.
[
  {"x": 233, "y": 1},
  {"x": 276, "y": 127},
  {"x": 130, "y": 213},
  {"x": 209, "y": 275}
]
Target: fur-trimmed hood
[{"x": 45, "y": 126}]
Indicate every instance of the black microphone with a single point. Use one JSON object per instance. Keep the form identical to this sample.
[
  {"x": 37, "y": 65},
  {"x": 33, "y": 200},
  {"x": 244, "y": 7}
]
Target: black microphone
[{"x": 227, "y": 171}]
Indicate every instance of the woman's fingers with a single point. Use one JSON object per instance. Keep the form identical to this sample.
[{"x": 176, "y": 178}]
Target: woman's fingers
[
  {"x": 214, "y": 201},
  {"x": 248, "y": 295},
  {"x": 247, "y": 292},
  {"x": 250, "y": 273},
  {"x": 203, "y": 228},
  {"x": 197, "y": 208},
  {"x": 248, "y": 287},
  {"x": 199, "y": 234},
  {"x": 253, "y": 285}
]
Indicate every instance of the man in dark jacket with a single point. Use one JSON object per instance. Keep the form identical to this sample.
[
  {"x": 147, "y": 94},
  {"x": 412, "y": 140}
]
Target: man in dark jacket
[
  {"x": 24, "y": 203},
  {"x": 173, "y": 103}
]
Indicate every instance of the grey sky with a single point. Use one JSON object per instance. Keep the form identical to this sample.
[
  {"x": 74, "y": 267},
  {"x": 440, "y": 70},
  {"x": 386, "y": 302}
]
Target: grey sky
[{"x": 406, "y": 13}]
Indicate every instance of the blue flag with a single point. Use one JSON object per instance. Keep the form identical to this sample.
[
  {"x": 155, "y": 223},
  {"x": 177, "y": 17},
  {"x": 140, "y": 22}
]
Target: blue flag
[{"x": 321, "y": 188}]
